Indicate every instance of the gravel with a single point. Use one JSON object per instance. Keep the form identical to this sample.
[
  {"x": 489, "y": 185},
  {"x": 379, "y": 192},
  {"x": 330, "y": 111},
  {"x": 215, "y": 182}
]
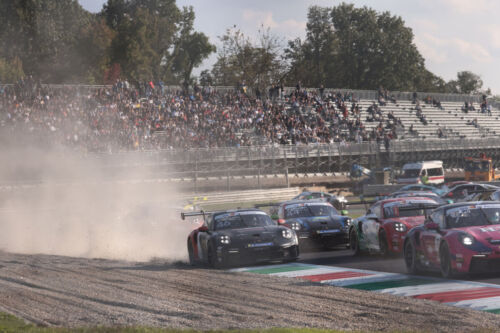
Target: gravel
[{"x": 74, "y": 292}]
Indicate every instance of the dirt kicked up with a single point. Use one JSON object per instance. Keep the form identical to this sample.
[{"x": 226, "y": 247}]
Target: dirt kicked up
[{"x": 72, "y": 292}]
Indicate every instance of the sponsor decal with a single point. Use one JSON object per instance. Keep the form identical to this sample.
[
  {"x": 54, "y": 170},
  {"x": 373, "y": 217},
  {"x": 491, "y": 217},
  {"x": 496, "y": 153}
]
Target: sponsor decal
[
  {"x": 253, "y": 245},
  {"x": 330, "y": 231}
]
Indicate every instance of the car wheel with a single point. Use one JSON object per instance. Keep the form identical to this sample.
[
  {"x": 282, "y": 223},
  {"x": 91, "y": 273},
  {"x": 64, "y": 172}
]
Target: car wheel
[
  {"x": 410, "y": 256},
  {"x": 294, "y": 254},
  {"x": 354, "y": 242},
  {"x": 212, "y": 258},
  {"x": 445, "y": 261},
  {"x": 192, "y": 260},
  {"x": 382, "y": 242}
]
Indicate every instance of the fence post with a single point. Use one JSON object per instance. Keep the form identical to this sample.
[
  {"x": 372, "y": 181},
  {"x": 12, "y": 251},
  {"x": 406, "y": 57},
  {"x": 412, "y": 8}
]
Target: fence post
[
  {"x": 258, "y": 180},
  {"x": 286, "y": 178},
  {"x": 196, "y": 174}
]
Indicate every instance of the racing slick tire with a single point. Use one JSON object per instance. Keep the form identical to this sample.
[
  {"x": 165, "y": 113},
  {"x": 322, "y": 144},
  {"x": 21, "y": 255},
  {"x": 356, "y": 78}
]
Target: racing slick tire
[
  {"x": 192, "y": 260},
  {"x": 354, "y": 242},
  {"x": 382, "y": 242},
  {"x": 212, "y": 258},
  {"x": 294, "y": 254},
  {"x": 410, "y": 257},
  {"x": 445, "y": 261}
]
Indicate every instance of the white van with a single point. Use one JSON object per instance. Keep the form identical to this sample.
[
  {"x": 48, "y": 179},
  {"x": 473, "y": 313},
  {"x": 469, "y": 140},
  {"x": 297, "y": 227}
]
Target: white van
[{"x": 413, "y": 172}]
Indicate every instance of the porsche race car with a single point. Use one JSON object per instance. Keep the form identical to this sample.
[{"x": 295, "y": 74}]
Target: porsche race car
[
  {"x": 457, "y": 238},
  {"x": 316, "y": 222},
  {"x": 383, "y": 228},
  {"x": 243, "y": 236}
]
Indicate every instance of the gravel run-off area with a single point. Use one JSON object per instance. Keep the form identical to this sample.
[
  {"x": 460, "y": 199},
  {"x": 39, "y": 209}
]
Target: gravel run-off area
[
  {"x": 66, "y": 291},
  {"x": 73, "y": 292}
]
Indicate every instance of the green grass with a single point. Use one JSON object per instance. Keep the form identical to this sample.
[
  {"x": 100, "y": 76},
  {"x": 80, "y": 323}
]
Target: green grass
[{"x": 11, "y": 324}]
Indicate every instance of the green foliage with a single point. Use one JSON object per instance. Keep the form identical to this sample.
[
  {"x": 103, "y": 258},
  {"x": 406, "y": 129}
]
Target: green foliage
[
  {"x": 257, "y": 64},
  {"x": 358, "y": 48},
  {"x": 466, "y": 83},
  {"x": 11, "y": 71},
  {"x": 11, "y": 324},
  {"x": 59, "y": 42}
]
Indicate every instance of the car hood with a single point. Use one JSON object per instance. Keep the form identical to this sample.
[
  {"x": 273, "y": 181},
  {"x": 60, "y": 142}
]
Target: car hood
[
  {"x": 257, "y": 234},
  {"x": 320, "y": 222},
  {"x": 487, "y": 232},
  {"x": 411, "y": 221}
]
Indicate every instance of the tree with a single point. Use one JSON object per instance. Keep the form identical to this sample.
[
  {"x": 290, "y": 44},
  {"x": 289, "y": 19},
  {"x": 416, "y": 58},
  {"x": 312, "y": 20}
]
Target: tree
[
  {"x": 358, "y": 48},
  {"x": 44, "y": 35},
  {"x": 190, "y": 49},
  {"x": 468, "y": 83},
  {"x": 206, "y": 78},
  {"x": 257, "y": 64}
]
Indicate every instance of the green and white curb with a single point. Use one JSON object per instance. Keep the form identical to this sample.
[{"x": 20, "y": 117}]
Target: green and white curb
[{"x": 464, "y": 294}]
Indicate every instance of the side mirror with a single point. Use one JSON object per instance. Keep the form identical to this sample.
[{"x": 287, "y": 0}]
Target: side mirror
[
  {"x": 344, "y": 212},
  {"x": 203, "y": 228},
  {"x": 431, "y": 225}
]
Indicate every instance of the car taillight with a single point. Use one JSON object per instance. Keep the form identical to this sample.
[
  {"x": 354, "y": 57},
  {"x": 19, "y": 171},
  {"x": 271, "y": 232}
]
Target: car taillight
[
  {"x": 450, "y": 194},
  {"x": 281, "y": 221}
]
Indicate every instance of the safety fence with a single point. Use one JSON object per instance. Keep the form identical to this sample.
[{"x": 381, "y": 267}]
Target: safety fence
[{"x": 358, "y": 94}]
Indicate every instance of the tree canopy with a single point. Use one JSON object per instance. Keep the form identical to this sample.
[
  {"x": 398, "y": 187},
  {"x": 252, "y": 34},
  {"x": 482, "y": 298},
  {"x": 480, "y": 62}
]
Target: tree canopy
[
  {"x": 141, "y": 40},
  {"x": 59, "y": 41}
]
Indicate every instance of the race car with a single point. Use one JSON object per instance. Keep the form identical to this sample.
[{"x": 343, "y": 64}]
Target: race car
[
  {"x": 421, "y": 187},
  {"x": 337, "y": 201},
  {"x": 243, "y": 236},
  {"x": 461, "y": 191},
  {"x": 458, "y": 238},
  {"x": 383, "y": 228},
  {"x": 316, "y": 222},
  {"x": 430, "y": 195}
]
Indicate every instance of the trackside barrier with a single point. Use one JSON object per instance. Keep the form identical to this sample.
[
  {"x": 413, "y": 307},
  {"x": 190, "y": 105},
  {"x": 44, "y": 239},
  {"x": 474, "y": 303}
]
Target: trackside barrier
[{"x": 280, "y": 194}]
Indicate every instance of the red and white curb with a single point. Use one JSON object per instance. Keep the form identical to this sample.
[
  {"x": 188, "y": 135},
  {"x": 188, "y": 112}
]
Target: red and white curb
[{"x": 464, "y": 294}]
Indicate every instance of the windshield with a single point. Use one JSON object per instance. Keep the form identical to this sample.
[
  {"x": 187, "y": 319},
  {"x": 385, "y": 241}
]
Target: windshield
[
  {"x": 240, "y": 221},
  {"x": 468, "y": 216},
  {"x": 405, "y": 209},
  {"x": 309, "y": 211},
  {"x": 432, "y": 196},
  {"x": 477, "y": 166},
  {"x": 411, "y": 173}
]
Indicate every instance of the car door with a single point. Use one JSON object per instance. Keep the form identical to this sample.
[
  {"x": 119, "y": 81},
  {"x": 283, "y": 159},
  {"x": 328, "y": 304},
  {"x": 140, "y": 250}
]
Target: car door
[
  {"x": 204, "y": 239},
  {"x": 371, "y": 227},
  {"x": 431, "y": 238}
]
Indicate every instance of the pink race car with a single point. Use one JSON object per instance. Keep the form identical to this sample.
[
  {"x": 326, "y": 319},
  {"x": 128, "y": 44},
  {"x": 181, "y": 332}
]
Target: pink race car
[{"x": 457, "y": 238}]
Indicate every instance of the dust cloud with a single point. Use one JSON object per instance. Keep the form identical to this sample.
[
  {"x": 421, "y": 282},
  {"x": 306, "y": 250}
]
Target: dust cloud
[{"x": 86, "y": 206}]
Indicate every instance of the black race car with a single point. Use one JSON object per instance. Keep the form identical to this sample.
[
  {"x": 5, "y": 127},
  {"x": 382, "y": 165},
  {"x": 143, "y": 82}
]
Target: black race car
[
  {"x": 243, "y": 236},
  {"x": 316, "y": 222},
  {"x": 338, "y": 201}
]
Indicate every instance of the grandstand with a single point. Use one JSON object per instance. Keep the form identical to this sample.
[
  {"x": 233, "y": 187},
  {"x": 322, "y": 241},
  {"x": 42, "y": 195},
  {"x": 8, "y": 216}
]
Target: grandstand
[{"x": 225, "y": 117}]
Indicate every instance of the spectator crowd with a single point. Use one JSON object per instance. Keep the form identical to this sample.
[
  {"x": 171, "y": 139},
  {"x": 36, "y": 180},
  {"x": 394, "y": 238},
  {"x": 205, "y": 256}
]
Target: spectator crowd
[{"x": 150, "y": 116}]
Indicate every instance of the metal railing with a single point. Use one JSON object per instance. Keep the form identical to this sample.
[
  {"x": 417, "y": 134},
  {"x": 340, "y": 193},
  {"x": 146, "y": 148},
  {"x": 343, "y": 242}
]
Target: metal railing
[{"x": 358, "y": 94}]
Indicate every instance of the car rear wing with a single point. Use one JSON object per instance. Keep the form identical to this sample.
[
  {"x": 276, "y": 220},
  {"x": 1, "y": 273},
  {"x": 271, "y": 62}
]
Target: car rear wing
[
  {"x": 425, "y": 207},
  {"x": 199, "y": 213}
]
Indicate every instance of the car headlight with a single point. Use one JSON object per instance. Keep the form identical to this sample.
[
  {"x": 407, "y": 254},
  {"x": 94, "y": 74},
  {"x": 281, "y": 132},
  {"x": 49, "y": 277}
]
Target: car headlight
[
  {"x": 399, "y": 227},
  {"x": 295, "y": 226},
  {"x": 347, "y": 222},
  {"x": 466, "y": 239},
  {"x": 287, "y": 233},
  {"x": 224, "y": 239}
]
